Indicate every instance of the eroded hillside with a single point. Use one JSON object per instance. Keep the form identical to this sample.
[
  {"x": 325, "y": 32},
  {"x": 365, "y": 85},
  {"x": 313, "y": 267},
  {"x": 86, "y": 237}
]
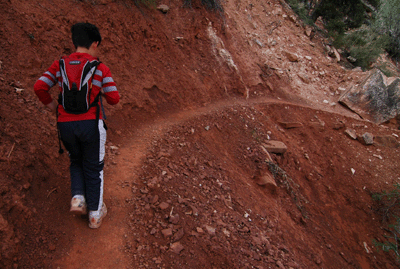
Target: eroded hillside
[{"x": 201, "y": 93}]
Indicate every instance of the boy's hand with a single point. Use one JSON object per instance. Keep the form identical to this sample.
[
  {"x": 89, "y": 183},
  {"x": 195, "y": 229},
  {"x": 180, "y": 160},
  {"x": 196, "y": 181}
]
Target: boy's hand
[{"x": 52, "y": 106}]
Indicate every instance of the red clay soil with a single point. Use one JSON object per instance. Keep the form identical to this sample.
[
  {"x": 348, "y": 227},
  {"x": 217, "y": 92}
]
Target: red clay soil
[{"x": 184, "y": 149}]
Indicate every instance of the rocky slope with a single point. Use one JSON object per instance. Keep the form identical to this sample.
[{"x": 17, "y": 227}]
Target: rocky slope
[{"x": 201, "y": 95}]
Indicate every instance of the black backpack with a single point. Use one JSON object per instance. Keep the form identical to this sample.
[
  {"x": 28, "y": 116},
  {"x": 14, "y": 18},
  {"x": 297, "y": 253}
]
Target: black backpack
[{"x": 76, "y": 82}]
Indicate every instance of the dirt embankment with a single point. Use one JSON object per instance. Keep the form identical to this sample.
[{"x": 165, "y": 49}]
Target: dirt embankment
[{"x": 200, "y": 93}]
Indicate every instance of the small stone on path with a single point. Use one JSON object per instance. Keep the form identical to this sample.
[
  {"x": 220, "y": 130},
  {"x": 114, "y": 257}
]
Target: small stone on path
[{"x": 176, "y": 247}]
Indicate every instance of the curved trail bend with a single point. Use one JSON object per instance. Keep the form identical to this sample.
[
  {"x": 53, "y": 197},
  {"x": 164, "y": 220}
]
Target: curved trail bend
[{"x": 105, "y": 247}]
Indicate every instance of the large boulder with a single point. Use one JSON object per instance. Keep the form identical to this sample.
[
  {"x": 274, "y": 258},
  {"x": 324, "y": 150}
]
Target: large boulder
[{"x": 376, "y": 99}]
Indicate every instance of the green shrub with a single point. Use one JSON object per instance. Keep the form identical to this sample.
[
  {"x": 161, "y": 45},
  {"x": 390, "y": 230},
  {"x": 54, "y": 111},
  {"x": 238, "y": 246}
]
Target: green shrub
[
  {"x": 300, "y": 8},
  {"x": 387, "y": 22},
  {"x": 340, "y": 15},
  {"x": 389, "y": 208},
  {"x": 363, "y": 44}
]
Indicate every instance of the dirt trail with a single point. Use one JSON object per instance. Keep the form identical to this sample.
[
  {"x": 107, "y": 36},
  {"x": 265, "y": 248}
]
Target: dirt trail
[{"x": 107, "y": 245}]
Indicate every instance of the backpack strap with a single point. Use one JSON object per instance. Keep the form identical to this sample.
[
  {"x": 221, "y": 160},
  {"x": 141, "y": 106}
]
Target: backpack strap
[{"x": 85, "y": 82}]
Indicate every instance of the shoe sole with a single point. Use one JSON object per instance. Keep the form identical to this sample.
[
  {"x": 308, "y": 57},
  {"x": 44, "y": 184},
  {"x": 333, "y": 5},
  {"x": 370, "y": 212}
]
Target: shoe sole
[{"x": 78, "y": 211}]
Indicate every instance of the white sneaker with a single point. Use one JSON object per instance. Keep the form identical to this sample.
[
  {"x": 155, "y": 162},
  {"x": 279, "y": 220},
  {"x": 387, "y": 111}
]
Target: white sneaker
[
  {"x": 78, "y": 205},
  {"x": 96, "y": 217}
]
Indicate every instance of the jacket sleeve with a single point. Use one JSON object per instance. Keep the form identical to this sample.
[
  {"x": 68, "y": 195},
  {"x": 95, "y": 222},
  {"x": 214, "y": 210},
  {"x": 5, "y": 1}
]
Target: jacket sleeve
[
  {"x": 45, "y": 82},
  {"x": 109, "y": 87}
]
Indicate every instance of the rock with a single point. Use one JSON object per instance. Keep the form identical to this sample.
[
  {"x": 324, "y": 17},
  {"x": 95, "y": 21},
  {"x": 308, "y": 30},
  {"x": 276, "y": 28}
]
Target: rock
[
  {"x": 280, "y": 264},
  {"x": 154, "y": 199},
  {"x": 337, "y": 55},
  {"x": 338, "y": 125},
  {"x": 304, "y": 78},
  {"x": 291, "y": 56},
  {"x": 163, "y": 205},
  {"x": 167, "y": 232},
  {"x": 290, "y": 125},
  {"x": 351, "y": 133},
  {"x": 183, "y": 200},
  {"x": 210, "y": 230},
  {"x": 329, "y": 50},
  {"x": 374, "y": 99},
  {"x": 3, "y": 224},
  {"x": 19, "y": 90},
  {"x": 157, "y": 260},
  {"x": 319, "y": 125},
  {"x": 351, "y": 59},
  {"x": 386, "y": 141},
  {"x": 259, "y": 43},
  {"x": 178, "y": 235},
  {"x": 176, "y": 247},
  {"x": 195, "y": 211},
  {"x": 163, "y": 8},
  {"x": 274, "y": 146},
  {"x": 366, "y": 139},
  {"x": 144, "y": 190},
  {"x": 308, "y": 31},
  {"x": 256, "y": 241},
  {"x": 267, "y": 180},
  {"x": 293, "y": 18},
  {"x": 174, "y": 219}
]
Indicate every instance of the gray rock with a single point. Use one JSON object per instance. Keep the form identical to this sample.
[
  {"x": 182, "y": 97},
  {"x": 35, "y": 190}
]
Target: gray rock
[
  {"x": 373, "y": 99},
  {"x": 367, "y": 139},
  {"x": 351, "y": 133},
  {"x": 259, "y": 43}
]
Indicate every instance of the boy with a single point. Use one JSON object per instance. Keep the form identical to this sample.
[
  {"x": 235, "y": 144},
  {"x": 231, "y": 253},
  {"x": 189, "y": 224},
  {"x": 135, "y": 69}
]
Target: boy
[{"x": 80, "y": 120}]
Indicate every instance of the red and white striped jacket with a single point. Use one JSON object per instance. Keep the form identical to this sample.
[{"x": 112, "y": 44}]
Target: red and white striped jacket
[{"x": 102, "y": 79}]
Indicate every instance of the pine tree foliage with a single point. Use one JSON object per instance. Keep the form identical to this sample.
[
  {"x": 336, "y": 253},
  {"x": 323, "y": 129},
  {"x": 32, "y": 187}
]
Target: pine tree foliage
[
  {"x": 341, "y": 15},
  {"x": 388, "y": 23},
  {"x": 364, "y": 29}
]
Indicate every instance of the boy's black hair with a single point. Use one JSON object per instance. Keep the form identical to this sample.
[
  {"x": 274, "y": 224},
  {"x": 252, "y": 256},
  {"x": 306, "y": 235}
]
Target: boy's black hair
[{"x": 84, "y": 34}]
